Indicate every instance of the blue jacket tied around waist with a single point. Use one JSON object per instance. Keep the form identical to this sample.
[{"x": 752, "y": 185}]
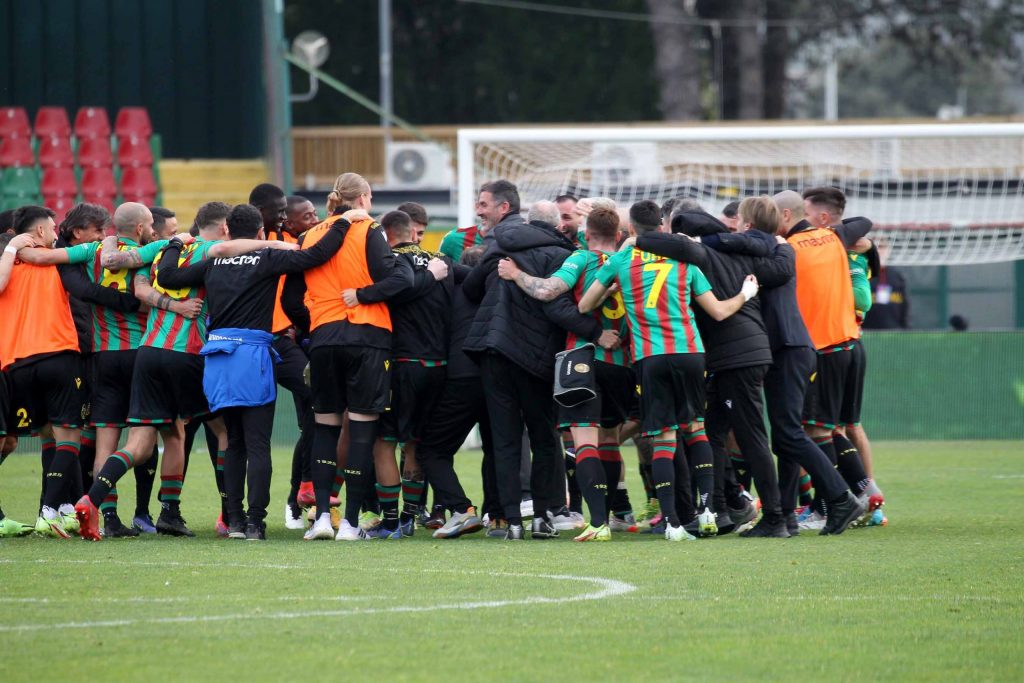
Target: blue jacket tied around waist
[{"x": 239, "y": 368}]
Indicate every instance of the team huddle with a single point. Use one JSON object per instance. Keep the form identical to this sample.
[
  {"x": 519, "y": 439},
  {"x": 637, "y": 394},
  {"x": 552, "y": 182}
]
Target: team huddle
[{"x": 560, "y": 335}]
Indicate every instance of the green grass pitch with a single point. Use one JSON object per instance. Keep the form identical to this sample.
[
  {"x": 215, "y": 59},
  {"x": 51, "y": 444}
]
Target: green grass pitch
[{"x": 935, "y": 596}]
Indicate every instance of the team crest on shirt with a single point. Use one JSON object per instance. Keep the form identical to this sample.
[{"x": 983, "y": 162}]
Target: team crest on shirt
[
  {"x": 78, "y": 382},
  {"x": 387, "y": 365}
]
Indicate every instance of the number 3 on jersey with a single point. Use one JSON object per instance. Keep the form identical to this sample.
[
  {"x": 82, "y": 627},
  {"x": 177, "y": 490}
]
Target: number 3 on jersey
[
  {"x": 662, "y": 271},
  {"x": 614, "y": 307}
]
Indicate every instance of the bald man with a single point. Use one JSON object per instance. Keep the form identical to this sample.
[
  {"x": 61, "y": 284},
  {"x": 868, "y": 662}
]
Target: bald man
[{"x": 116, "y": 335}]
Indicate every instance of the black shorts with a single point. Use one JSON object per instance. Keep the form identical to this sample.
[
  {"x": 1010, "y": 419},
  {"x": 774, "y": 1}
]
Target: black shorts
[
  {"x": 112, "y": 373},
  {"x": 853, "y": 392},
  {"x": 166, "y": 385},
  {"x": 50, "y": 390},
  {"x": 415, "y": 389},
  {"x": 671, "y": 389},
  {"x": 616, "y": 392},
  {"x": 5, "y": 403},
  {"x": 355, "y": 378},
  {"x": 824, "y": 399}
]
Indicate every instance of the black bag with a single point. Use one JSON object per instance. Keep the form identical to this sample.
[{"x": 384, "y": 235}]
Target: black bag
[{"x": 574, "y": 376}]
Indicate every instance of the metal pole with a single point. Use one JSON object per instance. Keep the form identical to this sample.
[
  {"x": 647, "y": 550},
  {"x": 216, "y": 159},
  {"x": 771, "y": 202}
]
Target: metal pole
[
  {"x": 832, "y": 88},
  {"x": 277, "y": 87},
  {"x": 385, "y": 67}
]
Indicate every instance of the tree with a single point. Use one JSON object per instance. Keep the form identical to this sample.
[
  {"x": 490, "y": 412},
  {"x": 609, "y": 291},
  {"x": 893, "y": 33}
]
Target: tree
[{"x": 676, "y": 59}]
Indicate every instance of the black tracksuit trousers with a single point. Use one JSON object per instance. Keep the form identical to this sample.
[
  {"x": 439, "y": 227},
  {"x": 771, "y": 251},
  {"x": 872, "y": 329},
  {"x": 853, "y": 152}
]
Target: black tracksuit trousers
[
  {"x": 514, "y": 398},
  {"x": 784, "y": 389},
  {"x": 734, "y": 401},
  {"x": 459, "y": 408}
]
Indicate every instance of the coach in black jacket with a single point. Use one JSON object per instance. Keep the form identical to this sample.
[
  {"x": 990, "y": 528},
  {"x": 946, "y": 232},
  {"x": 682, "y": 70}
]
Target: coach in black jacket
[
  {"x": 515, "y": 338},
  {"x": 737, "y": 354}
]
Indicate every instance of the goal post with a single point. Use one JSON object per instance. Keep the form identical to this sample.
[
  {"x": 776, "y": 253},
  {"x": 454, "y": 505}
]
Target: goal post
[{"x": 938, "y": 193}]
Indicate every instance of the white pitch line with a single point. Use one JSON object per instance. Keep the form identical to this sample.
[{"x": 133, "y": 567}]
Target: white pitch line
[
  {"x": 193, "y": 598},
  {"x": 608, "y": 588}
]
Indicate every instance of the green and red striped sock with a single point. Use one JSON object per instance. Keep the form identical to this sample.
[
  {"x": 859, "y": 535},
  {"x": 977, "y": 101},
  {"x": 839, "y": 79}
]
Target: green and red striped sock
[
  {"x": 664, "y": 475},
  {"x": 170, "y": 488},
  {"x": 106, "y": 479},
  {"x": 388, "y": 498}
]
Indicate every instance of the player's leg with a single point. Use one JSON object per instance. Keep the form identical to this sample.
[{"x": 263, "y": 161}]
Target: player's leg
[
  {"x": 327, "y": 384},
  {"x": 235, "y": 462},
  {"x": 141, "y": 440},
  {"x": 444, "y": 432},
  {"x": 503, "y": 410},
  {"x": 145, "y": 478},
  {"x": 258, "y": 426},
  {"x": 8, "y": 527},
  {"x": 547, "y": 469},
  {"x": 289, "y": 374},
  {"x": 172, "y": 479}
]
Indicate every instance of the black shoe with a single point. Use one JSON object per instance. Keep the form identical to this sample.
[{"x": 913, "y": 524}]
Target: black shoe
[
  {"x": 236, "y": 530},
  {"x": 767, "y": 528},
  {"x": 742, "y": 515},
  {"x": 113, "y": 528},
  {"x": 170, "y": 523},
  {"x": 842, "y": 513},
  {"x": 792, "y": 526},
  {"x": 542, "y": 529},
  {"x": 255, "y": 531},
  {"x": 724, "y": 522},
  {"x": 514, "y": 533}
]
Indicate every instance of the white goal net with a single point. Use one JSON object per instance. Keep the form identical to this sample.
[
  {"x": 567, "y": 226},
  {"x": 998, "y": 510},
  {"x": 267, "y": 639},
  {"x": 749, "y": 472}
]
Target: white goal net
[{"x": 939, "y": 194}]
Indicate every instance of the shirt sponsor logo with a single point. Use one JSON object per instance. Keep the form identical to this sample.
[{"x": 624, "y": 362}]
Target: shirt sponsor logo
[{"x": 243, "y": 260}]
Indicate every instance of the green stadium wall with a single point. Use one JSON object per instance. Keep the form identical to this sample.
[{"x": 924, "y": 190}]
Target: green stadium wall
[{"x": 197, "y": 65}]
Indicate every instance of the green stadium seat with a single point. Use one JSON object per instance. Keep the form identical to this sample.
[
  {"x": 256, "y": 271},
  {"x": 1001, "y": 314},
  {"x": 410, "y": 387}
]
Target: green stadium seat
[{"x": 21, "y": 181}]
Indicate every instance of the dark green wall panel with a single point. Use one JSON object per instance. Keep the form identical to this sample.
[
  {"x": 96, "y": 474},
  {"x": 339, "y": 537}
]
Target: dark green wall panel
[{"x": 195, "y": 64}]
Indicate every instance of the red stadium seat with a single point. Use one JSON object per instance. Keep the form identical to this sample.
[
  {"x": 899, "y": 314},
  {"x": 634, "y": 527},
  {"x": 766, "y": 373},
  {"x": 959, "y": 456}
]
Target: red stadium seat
[
  {"x": 133, "y": 151},
  {"x": 52, "y": 121},
  {"x": 92, "y": 122},
  {"x": 133, "y": 121},
  {"x": 55, "y": 151},
  {"x": 60, "y": 205},
  {"x": 14, "y": 122},
  {"x": 59, "y": 181},
  {"x": 138, "y": 183},
  {"x": 94, "y": 152},
  {"x": 101, "y": 200},
  {"x": 99, "y": 182},
  {"x": 16, "y": 151}
]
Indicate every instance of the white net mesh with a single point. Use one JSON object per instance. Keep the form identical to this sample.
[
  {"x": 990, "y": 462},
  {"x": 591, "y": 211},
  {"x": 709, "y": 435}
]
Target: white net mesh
[{"x": 938, "y": 199}]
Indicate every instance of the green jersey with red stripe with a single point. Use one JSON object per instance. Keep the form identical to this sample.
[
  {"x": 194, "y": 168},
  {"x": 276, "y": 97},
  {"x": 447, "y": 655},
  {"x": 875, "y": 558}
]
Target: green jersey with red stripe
[
  {"x": 579, "y": 271},
  {"x": 112, "y": 330},
  {"x": 168, "y": 330},
  {"x": 656, "y": 292},
  {"x": 459, "y": 240}
]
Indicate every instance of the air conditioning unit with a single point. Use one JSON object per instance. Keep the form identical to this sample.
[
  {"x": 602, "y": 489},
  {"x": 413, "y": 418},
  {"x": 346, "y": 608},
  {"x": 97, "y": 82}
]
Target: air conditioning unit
[
  {"x": 418, "y": 165},
  {"x": 618, "y": 164}
]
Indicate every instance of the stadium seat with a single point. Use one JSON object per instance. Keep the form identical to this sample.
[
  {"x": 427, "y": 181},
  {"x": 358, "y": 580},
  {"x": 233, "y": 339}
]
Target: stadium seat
[
  {"x": 94, "y": 152},
  {"x": 55, "y": 151},
  {"x": 133, "y": 122},
  {"x": 21, "y": 181},
  {"x": 59, "y": 181},
  {"x": 60, "y": 205},
  {"x": 134, "y": 151},
  {"x": 98, "y": 182},
  {"x": 14, "y": 122},
  {"x": 92, "y": 122},
  {"x": 52, "y": 121},
  {"x": 138, "y": 185},
  {"x": 17, "y": 151}
]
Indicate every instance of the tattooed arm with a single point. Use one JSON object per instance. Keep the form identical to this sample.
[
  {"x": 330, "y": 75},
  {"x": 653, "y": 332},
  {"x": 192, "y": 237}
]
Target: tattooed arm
[
  {"x": 540, "y": 288},
  {"x": 147, "y": 295}
]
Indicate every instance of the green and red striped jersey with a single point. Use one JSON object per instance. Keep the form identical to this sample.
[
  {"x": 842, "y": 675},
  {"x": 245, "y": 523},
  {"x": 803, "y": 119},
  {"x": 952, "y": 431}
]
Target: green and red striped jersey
[
  {"x": 112, "y": 330},
  {"x": 168, "y": 330},
  {"x": 459, "y": 240},
  {"x": 579, "y": 272},
  {"x": 656, "y": 292}
]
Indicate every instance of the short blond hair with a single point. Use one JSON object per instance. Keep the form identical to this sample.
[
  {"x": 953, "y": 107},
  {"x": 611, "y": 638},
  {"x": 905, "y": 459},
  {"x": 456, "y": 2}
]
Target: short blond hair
[
  {"x": 761, "y": 212},
  {"x": 347, "y": 188}
]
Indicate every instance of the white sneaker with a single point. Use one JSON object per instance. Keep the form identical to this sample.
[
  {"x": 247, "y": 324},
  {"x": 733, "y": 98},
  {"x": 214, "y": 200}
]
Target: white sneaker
[
  {"x": 706, "y": 523},
  {"x": 526, "y": 508},
  {"x": 321, "y": 529},
  {"x": 292, "y": 522},
  {"x": 815, "y": 522},
  {"x": 347, "y": 532},
  {"x": 678, "y": 533},
  {"x": 625, "y": 523},
  {"x": 567, "y": 521}
]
